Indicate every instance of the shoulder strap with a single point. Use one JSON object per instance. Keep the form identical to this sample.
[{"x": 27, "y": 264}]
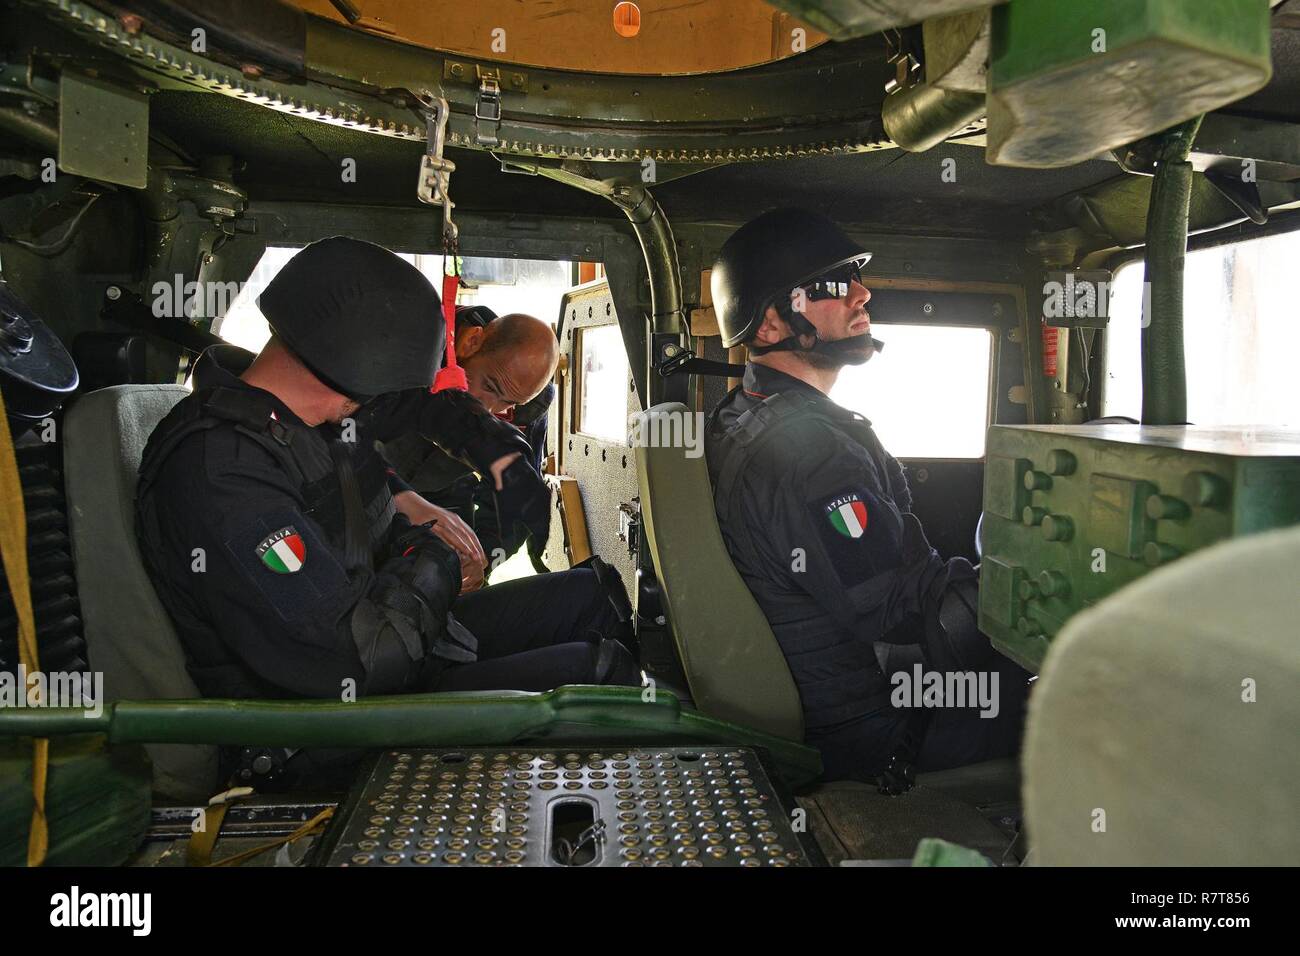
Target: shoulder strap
[
  {"x": 752, "y": 432},
  {"x": 249, "y": 412},
  {"x": 356, "y": 530}
]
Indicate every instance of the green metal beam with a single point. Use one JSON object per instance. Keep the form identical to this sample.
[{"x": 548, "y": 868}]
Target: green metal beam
[{"x": 590, "y": 714}]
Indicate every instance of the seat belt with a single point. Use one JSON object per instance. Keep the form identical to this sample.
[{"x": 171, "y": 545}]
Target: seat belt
[
  {"x": 688, "y": 363},
  {"x": 13, "y": 551},
  {"x": 356, "y": 530}
]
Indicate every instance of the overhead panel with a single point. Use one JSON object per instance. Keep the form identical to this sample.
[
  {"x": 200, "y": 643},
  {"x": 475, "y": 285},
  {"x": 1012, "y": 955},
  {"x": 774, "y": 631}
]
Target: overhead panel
[
  {"x": 1069, "y": 81},
  {"x": 103, "y": 130}
]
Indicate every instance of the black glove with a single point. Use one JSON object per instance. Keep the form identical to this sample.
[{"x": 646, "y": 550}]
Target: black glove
[
  {"x": 427, "y": 574},
  {"x": 422, "y": 561}
]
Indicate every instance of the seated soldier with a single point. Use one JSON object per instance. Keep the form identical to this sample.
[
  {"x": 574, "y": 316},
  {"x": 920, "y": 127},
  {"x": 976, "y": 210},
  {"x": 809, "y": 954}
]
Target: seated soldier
[
  {"x": 817, "y": 517},
  {"x": 508, "y": 362},
  {"x": 269, "y": 526}
]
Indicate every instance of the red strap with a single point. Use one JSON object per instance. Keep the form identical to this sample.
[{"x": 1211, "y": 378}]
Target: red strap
[{"x": 450, "y": 375}]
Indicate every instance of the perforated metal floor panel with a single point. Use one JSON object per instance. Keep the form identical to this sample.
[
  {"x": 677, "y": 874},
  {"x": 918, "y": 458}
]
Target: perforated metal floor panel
[{"x": 662, "y": 806}]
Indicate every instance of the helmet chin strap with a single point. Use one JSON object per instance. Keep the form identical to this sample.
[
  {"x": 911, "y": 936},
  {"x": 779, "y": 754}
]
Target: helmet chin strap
[{"x": 850, "y": 349}]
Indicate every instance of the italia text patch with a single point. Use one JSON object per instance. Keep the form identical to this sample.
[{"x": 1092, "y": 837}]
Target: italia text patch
[
  {"x": 284, "y": 551},
  {"x": 270, "y": 552},
  {"x": 847, "y": 515},
  {"x": 859, "y": 533}
]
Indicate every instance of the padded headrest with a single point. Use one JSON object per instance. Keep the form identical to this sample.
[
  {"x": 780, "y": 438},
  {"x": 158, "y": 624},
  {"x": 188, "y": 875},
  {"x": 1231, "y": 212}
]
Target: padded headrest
[{"x": 1163, "y": 728}]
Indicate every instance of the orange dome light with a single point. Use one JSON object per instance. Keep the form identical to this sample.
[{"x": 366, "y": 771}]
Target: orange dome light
[{"x": 627, "y": 19}]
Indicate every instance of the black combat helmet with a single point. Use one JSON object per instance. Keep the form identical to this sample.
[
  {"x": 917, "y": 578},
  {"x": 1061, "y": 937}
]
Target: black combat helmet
[
  {"x": 364, "y": 320},
  {"x": 767, "y": 257}
]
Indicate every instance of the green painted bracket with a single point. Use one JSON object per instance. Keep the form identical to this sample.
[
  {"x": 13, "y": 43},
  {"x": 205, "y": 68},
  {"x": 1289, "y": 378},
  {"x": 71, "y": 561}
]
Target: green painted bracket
[{"x": 577, "y": 713}]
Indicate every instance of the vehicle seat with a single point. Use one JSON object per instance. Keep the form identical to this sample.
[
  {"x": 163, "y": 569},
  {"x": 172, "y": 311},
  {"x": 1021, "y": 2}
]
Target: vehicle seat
[
  {"x": 129, "y": 636},
  {"x": 1142, "y": 712},
  {"x": 733, "y": 664}
]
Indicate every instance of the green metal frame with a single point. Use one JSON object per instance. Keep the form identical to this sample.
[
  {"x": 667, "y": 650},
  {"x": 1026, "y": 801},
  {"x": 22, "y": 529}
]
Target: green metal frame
[
  {"x": 825, "y": 101},
  {"x": 586, "y": 714}
]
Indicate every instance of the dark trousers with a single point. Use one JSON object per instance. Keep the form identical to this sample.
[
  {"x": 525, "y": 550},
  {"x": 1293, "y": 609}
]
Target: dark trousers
[
  {"x": 860, "y": 749},
  {"x": 536, "y": 633},
  {"x": 533, "y": 634}
]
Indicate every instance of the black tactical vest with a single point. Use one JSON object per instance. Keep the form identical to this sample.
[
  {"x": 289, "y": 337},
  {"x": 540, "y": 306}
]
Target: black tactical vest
[
  {"x": 836, "y": 671},
  {"x": 307, "y": 455},
  {"x": 303, "y": 451}
]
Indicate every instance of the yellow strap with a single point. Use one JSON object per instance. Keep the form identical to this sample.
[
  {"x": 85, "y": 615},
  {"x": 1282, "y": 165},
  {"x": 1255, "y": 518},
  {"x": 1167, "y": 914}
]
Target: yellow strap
[
  {"x": 13, "y": 550},
  {"x": 306, "y": 829},
  {"x": 199, "y": 850}
]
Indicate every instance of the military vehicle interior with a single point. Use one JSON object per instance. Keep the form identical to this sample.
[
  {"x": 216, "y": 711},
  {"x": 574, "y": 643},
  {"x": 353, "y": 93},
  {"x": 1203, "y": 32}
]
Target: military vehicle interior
[{"x": 980, "y": 152}]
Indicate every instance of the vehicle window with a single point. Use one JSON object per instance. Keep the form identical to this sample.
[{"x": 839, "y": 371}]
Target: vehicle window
[
  {"x": 927, "y": 393},
  {"x": 503, "y": 285},
  {"x": 243, "y": 324},
  {"x": 532, "y": 286},
  {"x": 1239, "y": 330},
  {"x": 602, "y": 384}
]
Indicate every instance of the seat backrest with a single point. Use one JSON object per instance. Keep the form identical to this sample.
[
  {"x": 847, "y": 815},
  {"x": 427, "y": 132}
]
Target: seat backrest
[
  {"x": 733, "y": 663},
  {"x": 1163, "y": 728},
  {"x": 129, "y": 636}
]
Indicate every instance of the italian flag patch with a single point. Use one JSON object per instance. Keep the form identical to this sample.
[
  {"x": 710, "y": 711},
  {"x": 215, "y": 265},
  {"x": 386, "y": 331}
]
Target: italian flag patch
[
  {"x": 283, "y": 552},
  {"x": 848, "y": 515}
]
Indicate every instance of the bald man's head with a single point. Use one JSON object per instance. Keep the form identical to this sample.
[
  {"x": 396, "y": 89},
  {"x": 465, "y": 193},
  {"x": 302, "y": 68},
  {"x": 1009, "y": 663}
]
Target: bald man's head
[{"x": 508, "y": 361}]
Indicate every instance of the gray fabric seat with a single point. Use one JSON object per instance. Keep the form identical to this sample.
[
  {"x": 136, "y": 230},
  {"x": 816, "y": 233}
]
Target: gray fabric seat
[
  {"x": 129, "y": 636},
  {"x": 1141, "y": 722},
  {"x": 733, "y": 663}
]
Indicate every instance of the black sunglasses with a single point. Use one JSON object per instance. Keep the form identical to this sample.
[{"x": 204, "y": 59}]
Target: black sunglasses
[{"x": 833, "y": 284}]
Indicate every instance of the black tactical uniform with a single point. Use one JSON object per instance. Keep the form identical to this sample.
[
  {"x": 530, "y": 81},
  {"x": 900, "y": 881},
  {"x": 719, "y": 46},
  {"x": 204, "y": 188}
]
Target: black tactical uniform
[
  {"x": 451, "y": 484},
  {"x": 278, "y": 552},
  {"x": 817, "y": 518}
]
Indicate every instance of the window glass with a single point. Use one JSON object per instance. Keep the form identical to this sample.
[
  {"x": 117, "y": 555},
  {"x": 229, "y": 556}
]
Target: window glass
[
  {"x": 927, "y": 393},
  {"x": 1239, "y": 330},
  {"x": 602, "y": 383},
  {"x": 243, "y": 324}
]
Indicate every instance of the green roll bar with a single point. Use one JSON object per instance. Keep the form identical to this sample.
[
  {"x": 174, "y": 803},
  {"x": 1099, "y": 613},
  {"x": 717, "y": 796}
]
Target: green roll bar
[{"x": 575, "y": 714}]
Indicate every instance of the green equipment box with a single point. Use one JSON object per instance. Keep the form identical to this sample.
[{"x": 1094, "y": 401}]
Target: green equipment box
[{"x": 1072, "y": 513}]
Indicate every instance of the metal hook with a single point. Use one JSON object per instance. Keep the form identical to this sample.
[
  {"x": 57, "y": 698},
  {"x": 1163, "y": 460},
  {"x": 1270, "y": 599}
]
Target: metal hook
[{"x": 435, "y": 170}]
